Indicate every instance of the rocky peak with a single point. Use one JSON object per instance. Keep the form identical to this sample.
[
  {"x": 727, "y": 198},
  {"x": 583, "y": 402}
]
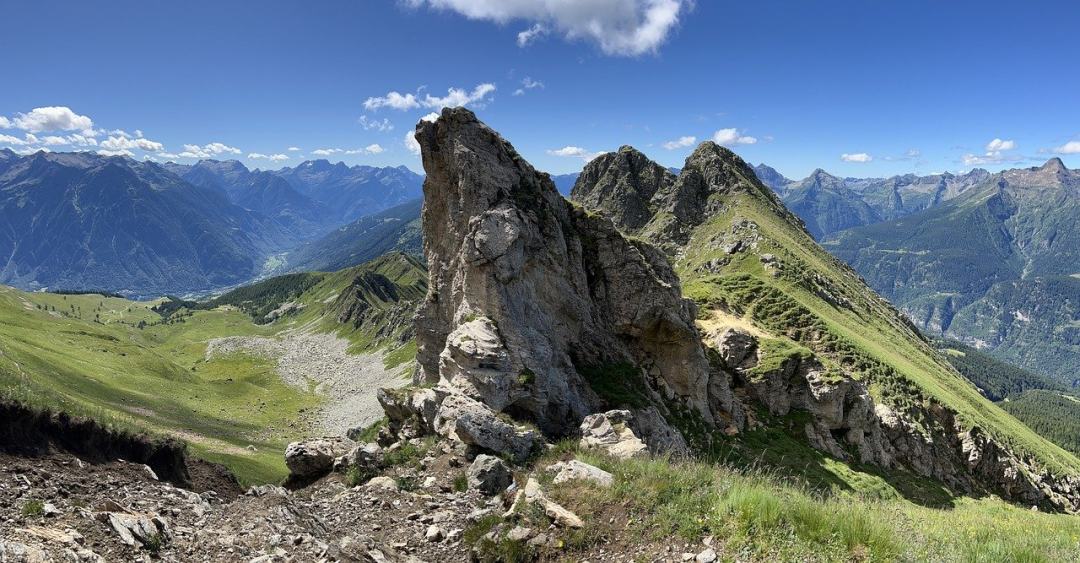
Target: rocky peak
[
  {"x": 1054, "y": 165},
  {"x": 622, "y": 185},
  {"x": 710, "y": 176},
  {"x": 1052, "y": 174},
  {"x": 528, "y": 293},
  {"x": 771, "y": 177}
]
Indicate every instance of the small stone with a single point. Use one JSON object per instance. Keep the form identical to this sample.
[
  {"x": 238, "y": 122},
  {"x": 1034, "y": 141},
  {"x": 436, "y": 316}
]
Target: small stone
[
  {"x": 519, "y": 533},
  {"x": 382, "y": 482},
  {"x": 434, "y": 534},
  {"x": 707, "y": 556}
]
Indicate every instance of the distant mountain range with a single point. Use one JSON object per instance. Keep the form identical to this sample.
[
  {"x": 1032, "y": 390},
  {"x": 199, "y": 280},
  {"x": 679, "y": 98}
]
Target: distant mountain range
[
  {"x": 394, "y": 229},
  {"x": 311, "y": 198},
  {"x": 80, "y": 221},
  {"x": 829, "y": 204},
  {"x": 992, "y": 260},
  {"x": 351, "y": 192},
  {"x": 84, "y": 221}
]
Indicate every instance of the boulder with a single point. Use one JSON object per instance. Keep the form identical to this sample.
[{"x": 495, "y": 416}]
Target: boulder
[
  {"x": 312, "y": 459},
  {"x": 575, "y": 470},
  {"x": 367, "y": 458},
  {"x": 473, "y": 423},
  {"x": 610, "y": 431},
  {"x": 489, "y": 475},
  {"x": 736, "y": 347}
]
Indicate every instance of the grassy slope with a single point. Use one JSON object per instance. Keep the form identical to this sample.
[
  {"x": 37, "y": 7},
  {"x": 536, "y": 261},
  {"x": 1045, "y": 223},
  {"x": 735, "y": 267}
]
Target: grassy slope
[
  {"x": 757, "y": 516},
  {"x": 89, "y": 357},
  {"x": 862, "y": 332},
  {"x": 153, "y": 378}
]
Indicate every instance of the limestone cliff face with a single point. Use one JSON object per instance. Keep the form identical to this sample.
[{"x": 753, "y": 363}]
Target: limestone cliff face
[{"x": 527, "y": 291}]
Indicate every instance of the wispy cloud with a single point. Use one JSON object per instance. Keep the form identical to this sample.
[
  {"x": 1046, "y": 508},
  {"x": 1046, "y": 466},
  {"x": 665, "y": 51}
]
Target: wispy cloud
[
  {"x": 681, "y": 142},
  {"x": 376, "y": 124},
  {"x": 271, "y": 157},
  {"x": 995, "y": 153},
  {"x": 574, "y": 152},
  {"x": 208, "y": 151},
  {"x": 528, "y": 84},
  {"x": 455, "y": 97},
  {"x": 856, "y": 157}
]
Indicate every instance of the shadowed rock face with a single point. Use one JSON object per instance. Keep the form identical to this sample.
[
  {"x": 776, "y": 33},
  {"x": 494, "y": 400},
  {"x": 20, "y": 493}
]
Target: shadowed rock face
[
  {"x": 526, "y": 290},
  {"x": 622, "y": 184}
]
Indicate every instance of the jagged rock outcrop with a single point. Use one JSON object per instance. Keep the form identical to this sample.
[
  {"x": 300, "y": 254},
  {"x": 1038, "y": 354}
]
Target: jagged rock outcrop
[
  {"x": 526, "y": 292},
  {"x": 847, "y": 423},
  {"x": 622, "y": 184}
]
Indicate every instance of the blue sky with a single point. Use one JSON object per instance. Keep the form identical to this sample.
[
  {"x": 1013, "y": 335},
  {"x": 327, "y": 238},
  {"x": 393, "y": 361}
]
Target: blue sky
[{"x": 914, "y": 86}]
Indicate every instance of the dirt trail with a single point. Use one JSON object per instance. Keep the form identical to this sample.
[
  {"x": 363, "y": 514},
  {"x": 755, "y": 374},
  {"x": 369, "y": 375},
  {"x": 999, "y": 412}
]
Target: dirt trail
[{"x": 347, "y": 382}]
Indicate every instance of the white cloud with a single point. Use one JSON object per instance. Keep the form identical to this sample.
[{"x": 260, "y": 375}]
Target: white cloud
[
  {"x": 619, "y": 27},
  {"x": 856, "y": 157},
  {"x": 294, "y": 149},
  {"x": 120, "y": 152},
  {"x": 524, "y": 38},
  {"x": 368, "y": 124},
  {"x": 1072, "y": 147},
  {"x": 126, "y": 143},
  {"x": 574, "y": 152},
  {"x": 430, "y": 118},
  {"x": 454, "y": 97},
  {"x": 681, "y": 142},
  {"x": 168, "y": 155},
  {"x": 12, "y": 140},
  {"x": 411, "y": 143},
  {"x": 393, "y": 100},
  {"x": 457, "y": 97},
  {"x": 51, "y": 118},
  {"x": 374, "y": 148},
  {"x": 5, "y": 123},
  {"x": 208, "y": 151},
  {"x": 730, "y": 137},
  {"x": 528, "y": 84},
  {"x": 270, "y": 157},
  {"x": 994, "y": 153},
  {"x": 326, "y": 152}
]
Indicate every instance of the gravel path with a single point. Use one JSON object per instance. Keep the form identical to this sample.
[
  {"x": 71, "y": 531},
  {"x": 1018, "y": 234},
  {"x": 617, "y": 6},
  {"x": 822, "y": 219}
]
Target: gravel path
[{"x": 347, "y": 382}]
